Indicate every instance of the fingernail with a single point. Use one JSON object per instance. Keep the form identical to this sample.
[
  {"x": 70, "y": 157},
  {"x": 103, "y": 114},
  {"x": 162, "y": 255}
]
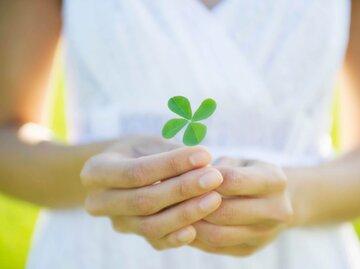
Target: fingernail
[
  {"x": 185, "y": 235},
  {"x": 209, "y": 202},
  {"x": 199, "y": 158},
  {"x": 210, "y": 180}
]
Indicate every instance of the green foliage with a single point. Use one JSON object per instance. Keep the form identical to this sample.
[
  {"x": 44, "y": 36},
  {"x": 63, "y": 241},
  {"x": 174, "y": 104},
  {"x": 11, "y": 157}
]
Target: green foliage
[
  {"x": 181, "y": 106},
  {"x": 172, "y": 127},
  {"x": 205, "y": 110},
  {"x": 195, "y": 131},
  {"x": 17, "y": 221}
]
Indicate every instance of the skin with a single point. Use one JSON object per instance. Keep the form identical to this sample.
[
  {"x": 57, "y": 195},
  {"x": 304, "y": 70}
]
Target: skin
[
  {"x": 152, "y": 187},
  {"x": 162, "y": 213},
  {"x": 211, "y": 3}
]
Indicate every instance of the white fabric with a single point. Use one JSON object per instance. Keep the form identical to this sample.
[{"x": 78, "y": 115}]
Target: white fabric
[{"x": 271, "y": 67}]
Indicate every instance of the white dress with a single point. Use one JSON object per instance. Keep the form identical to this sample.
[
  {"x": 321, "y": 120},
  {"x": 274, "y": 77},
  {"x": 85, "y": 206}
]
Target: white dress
[{"x": 271, "y": 67}]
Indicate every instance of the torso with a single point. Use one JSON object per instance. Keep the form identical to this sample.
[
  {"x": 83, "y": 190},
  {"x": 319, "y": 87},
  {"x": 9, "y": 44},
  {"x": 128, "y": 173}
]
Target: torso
[
  {"x": 269, "y": 64},
  {"x": 211, "y": 3}
]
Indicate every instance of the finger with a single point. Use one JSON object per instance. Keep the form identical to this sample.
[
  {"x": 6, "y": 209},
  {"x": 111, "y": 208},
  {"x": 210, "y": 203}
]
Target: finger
[
  {"x": 151, "y": 199},
  {"x": 241, "y": 250},
  {"x": 230, "y": 161},
  {"x": 153, "y": 145},
  {"x": 253, "y": 180},
  {"x": 115, "y": 171},
  {"x": 181, "y": 237},
  {"x": 134, "y": 146},
  {"x": 227, "y": 236},
  {"x": 159, "y": 225},
  {"x": 176, "y": 239},
  {"x": 240, "y": 211}
]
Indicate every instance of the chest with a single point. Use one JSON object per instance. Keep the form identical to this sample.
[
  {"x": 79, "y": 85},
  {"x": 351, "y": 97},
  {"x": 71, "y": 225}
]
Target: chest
[
  {"x": 211, "y": 3},
  {"x": 266, "y": 63},
  {"x": 165, "y": 42}
]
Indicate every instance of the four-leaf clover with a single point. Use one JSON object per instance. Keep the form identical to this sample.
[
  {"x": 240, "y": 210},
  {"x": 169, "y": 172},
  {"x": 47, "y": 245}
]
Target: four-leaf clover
[{"x": 195, "y": 131}]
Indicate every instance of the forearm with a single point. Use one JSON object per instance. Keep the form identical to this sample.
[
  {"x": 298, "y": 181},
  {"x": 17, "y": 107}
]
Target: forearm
[
  {"x": 43, "y": 173},
  {"x": 327, "y": 193}
]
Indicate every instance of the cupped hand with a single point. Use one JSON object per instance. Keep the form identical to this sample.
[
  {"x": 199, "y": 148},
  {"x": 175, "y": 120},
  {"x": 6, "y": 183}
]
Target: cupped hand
[
  {"x": 152, "y": 188},
  {"x": 256, "y": 207}
]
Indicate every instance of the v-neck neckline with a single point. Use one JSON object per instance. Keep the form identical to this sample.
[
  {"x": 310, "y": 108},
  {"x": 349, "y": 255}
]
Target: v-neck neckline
[{"x": 214, "y": 8}]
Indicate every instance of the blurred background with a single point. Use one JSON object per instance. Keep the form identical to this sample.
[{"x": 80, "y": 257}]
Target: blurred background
[{"x": 18, "y": 218}]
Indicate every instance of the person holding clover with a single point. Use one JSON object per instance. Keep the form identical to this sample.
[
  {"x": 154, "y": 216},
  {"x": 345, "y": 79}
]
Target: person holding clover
[{"x": 263, "y": 190}]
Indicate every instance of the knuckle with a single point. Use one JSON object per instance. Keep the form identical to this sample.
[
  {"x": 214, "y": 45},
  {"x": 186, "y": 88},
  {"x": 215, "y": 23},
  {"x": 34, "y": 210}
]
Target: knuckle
[
  {"x": 283, "y": 214},
  {"x": 187, "y": 215},
  {"x": 143, "y": 204},
  {"x": 148, "y": 229},
  {"x": 87, "y": 172},
  {"x": 216, "y": 236},
  {"x": 136, "y": 173},
  {"x": 232, "y": 175},
  {"x": 287, "y": 215},
  {"x": 280, "y": 183},
  {"x": 175, "y": 165},
  {"x": 282, "y": 180},
  {"x": 93, "y": 206},
  {"x": 118, "y": 225},
  {"x": 224, "y": 212},
  {"x": 85, "y": 180},
  {"x": 183, "y": 189},
  {"x": 277, "y": 181},
  {"x": 287, "y": 212},
  {"x": 240, "y": 178}
]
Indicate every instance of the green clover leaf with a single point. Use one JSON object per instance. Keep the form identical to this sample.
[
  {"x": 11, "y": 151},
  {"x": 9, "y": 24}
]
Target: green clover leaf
[
  {"x": 195, "y": 131},
  {"x": 172, "y": 127},
  {"x": 181, "y": 106},
  {"x": 205, "y": 110}
]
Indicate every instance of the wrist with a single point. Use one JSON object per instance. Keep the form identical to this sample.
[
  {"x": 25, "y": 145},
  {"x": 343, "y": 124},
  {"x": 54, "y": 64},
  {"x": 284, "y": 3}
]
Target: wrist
[{"x": 298, "y": 196}]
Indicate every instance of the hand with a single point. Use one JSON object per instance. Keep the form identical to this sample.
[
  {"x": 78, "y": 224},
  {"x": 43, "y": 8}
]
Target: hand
[
  {"x": 153, "y": 189},
  {"x": 255, "y": 208}
]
